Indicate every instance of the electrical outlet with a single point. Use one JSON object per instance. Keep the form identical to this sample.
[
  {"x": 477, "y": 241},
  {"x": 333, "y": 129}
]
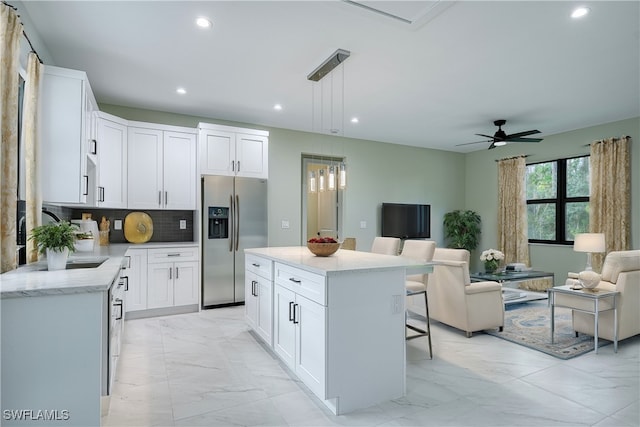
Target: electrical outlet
[
  {"x": 363, "y": 224},
  {"x": 117, "y": 224},
  {"x": 183, "y": 224},
  {"x": 285, "y": 224}
]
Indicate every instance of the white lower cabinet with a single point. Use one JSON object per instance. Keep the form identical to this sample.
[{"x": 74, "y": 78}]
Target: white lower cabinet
[
  {"x": 299, "y": 337},
  {"x": 136, "y": 282},
  {"x": 163, "y": 278},
  {"x": 258, "y": 298}
]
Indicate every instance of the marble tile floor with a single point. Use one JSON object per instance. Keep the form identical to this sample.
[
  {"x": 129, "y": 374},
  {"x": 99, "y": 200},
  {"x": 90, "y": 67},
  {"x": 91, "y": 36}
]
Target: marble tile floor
[{"x": 207, "y": 369}]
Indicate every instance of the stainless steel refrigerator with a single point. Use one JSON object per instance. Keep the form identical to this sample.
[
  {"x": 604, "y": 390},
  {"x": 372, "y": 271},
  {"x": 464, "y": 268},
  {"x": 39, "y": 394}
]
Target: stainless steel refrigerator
[{"x": 234, "y": 213}]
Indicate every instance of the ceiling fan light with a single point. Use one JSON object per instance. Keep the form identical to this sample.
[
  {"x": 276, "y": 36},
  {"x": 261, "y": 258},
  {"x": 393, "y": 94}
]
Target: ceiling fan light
[{"x": 499, "y": 143}]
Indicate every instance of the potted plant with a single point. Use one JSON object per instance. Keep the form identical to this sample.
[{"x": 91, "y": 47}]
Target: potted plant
[
  {"x": 56, "y": 241},
  {"x": 462, "y": 228}
]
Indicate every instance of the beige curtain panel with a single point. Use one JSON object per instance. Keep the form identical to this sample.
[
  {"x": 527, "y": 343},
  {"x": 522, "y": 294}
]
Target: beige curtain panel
[
  {"x": 610, "y": 200},
  {"x": 10, "y": 32},
  {"x": 32, "y": 150},
  {"x": 513, "y": 238}
]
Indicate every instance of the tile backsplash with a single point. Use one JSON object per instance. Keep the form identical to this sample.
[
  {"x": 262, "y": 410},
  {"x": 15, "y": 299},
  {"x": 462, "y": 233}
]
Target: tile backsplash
[{"x": 166, "y": 223}]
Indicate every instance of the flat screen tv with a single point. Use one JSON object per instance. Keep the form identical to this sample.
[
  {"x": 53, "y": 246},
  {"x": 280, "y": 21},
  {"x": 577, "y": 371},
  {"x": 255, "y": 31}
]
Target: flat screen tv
[{"x": 406, "y": 221}]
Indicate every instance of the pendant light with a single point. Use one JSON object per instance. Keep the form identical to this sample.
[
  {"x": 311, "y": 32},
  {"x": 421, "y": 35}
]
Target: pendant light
[
  {"x": 321, "y": 186},
  {"x": 327, "y": 179},
  {"x": 332, "y": 178},
  {"x": 312, "y": 182}
]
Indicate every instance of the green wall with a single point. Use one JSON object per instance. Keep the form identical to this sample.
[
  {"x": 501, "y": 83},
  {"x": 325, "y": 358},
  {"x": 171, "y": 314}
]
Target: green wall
[
  {"x": 482, "y": 178},
  {"x": 377, "y": 173}
]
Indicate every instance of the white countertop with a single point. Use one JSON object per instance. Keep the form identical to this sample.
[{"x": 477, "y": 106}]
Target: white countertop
[
  {"x": 34, "y": 280},
  {"x": 340, "y": 262}
]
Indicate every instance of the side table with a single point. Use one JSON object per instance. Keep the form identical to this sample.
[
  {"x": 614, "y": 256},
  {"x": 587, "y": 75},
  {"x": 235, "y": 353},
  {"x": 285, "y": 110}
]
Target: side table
[{"x": 593, "y": 301}]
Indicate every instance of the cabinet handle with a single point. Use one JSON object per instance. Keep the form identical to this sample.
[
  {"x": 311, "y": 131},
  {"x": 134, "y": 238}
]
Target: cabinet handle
[
  {"x": 159, "y": 198},
  {"x": 238, "y": 166},
  {"x": 291, "y": 314},
  {"x": 295, "y": 319},
  {"x": 166, "y": 198},
  {"x": 86, "y": 185},
  {"x": 101, "y": 194},
  {"x": 294, "y": 280},
  {"x": 173, "y": 254},
  {"x": 170, "y": 273},
  {"x": 233, "y": 166},
  {"x": 128, "y": 257},
  {"x": 126, "y": 282},
  {"x": 118, "y": 303},
  {"x": 93, "y": 146},
  {"x": 177, "y": 273},
  {"x": 254, "y": 288},
  {"x": 256, "y": 265}
]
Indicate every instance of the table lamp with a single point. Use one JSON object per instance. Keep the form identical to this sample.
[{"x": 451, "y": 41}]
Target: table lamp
[{"x": 589, "y": 243}]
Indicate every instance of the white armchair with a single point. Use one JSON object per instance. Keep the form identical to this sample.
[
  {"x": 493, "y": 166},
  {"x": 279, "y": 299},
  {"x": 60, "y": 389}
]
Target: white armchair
[
  {"x": 457, "y": 302},
  {"x": 620, "y": 272}
]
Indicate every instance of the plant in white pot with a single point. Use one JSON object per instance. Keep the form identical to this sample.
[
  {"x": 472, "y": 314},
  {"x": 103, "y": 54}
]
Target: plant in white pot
[{"x": 56, "y": 241}]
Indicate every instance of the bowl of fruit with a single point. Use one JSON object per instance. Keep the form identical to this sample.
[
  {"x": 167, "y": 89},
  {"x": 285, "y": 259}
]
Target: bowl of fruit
[{"x": 323, "y": 246}]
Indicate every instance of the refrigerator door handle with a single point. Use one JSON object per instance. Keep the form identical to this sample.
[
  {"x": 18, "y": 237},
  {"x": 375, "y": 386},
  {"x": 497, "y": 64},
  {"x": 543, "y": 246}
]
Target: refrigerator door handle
[
  {"x": 232, "y": 224},
  {"x": 237, "y": 224}
]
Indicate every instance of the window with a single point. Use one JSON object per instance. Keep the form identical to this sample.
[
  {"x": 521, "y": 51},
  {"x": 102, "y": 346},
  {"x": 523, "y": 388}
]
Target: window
[{"x": 558, "y": 200}]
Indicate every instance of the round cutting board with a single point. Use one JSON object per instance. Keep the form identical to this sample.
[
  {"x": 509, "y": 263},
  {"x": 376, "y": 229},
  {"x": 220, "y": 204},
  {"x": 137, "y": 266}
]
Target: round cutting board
[{"x": 138, "y": 227}]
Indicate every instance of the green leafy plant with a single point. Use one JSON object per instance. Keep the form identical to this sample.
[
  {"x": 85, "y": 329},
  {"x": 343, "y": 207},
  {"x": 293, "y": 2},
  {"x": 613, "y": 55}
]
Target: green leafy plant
[
  {"x": 462, "y": 228},
  {"x": 54, "y": 236}
]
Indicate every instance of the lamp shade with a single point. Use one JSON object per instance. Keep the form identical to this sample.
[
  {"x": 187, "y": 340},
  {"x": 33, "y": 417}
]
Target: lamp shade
[{"x": 589, "y": 242}]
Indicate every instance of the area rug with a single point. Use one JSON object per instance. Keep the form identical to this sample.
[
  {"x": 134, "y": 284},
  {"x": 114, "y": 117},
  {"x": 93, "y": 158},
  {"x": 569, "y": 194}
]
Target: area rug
[{"x": 529, "y": 325}]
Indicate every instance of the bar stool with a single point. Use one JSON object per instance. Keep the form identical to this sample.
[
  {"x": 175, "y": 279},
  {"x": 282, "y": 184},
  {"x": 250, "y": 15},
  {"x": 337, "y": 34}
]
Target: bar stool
[
  {"x": 416, "y": 284},
  {"x": 386, "y": 245}
]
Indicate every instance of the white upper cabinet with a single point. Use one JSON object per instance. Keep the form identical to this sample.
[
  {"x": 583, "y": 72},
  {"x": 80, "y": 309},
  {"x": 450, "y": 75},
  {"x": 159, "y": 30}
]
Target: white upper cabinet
[
  {"x": 161, "y": 169},
  {"x": 66, "y": 109},
  {"x": 111, "y": 140},
  {"x": 231, "y": 151}
]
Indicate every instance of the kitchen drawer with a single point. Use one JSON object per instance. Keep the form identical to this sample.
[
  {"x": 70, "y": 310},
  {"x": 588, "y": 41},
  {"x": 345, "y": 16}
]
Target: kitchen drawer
[
  {"x": 172, "y": 254},
  {"x": 260, "y": 266},
  {"x": 302, "y": 282}
]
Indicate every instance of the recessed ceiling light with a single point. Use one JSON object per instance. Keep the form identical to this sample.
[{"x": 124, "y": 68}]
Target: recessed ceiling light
[
  {"x": 181, "y": 91},
  {"x": 203, "y": 23},
  {"x": 355, "y": 120},
  {"x": 277, "y": 107},
  {"x": 580, "y": 12}
]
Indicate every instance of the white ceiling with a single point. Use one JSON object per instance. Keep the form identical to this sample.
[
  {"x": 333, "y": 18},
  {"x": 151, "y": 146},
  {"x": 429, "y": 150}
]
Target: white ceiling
[{"x": 433, "y": 81}]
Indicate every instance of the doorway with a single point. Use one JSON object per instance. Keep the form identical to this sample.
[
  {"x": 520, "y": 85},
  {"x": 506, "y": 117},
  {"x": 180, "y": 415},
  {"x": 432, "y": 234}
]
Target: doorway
[{"x": 321, "y": 210}]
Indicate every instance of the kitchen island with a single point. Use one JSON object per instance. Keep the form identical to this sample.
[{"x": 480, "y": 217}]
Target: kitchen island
[
  {"x": 54, "y": 343},
  {"x": 337, "y": 322}
]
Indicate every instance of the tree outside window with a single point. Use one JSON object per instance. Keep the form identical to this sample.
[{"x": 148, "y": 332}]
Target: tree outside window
[{"x": 558, "y": 199}]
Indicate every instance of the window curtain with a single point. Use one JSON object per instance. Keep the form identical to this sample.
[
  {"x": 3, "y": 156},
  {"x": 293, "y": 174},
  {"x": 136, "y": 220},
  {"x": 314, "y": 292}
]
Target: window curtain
[
  {"x": 513, "y": 237},
  {"x": 610, "y": 200},
  {"x": 32, "y": 150},
  {"x": 10, "y": 32}
]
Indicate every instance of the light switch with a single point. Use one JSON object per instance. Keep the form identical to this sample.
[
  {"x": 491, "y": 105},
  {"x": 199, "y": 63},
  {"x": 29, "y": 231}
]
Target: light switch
[
  {"x": 363, "y": 224},
  {"x": 183, "y": 224},
  {"x": 117, "y": 224},
  {"x": 285, "y": 224}
]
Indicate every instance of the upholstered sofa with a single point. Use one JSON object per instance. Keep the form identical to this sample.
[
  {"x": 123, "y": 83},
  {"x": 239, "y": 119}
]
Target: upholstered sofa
[
  {"x": 456, "y": 301},
  {"x": 620, "y": 272}
]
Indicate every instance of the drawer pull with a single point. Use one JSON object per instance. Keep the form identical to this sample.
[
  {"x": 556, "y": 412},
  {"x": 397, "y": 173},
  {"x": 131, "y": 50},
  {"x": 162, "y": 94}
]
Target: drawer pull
[
  {"x": 294, "y": 280},
  {"x": 291, "y": 314},
  {"x": 256, "y": 265},
  {"x": 173, "y": 254},
  {"x": 295, "y": 320}
]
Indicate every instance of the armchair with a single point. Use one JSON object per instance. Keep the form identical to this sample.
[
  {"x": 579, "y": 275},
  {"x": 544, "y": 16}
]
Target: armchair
[
  {"x": 620, "y": 272},
  {"x": 457, "y": 302}
]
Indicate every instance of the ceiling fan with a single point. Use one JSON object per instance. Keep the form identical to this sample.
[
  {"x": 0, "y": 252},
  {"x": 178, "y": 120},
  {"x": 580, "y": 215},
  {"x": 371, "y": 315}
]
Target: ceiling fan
[{"x": 501, "y": 137}]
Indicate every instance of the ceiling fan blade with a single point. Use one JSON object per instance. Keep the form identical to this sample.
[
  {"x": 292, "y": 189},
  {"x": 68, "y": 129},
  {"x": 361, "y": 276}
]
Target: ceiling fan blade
[
  {"x": 525, "y": 133},
  {"x": 492, "y": 146},
  {"x": 486, "y": 136},
  {"x": 524, "y": 139},
  {"x": 469, "y": 143}
]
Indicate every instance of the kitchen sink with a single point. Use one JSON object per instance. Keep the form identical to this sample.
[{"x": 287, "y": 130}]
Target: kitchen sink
[
  {"x": 74, "y": 263},
  {"x": 85, "y": 263}
]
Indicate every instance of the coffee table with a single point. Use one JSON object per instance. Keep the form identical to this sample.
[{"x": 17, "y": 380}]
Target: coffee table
[
  {"x": 514, "y": 295},
  {"x": 593, "y": 301}
]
